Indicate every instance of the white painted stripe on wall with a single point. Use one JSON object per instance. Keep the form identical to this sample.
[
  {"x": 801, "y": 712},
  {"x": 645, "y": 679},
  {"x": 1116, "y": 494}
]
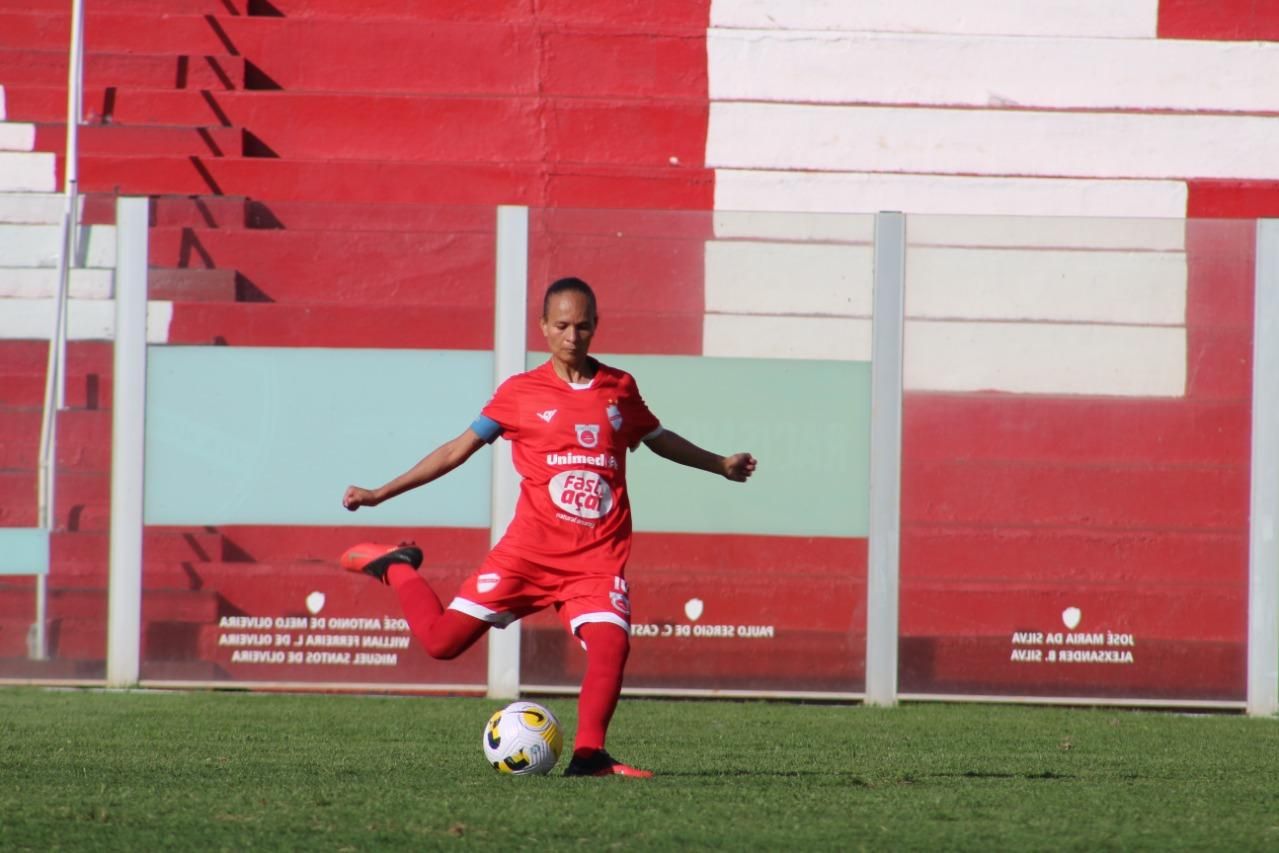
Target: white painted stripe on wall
[
  {"x": 771, "y": 336},
  {"x": 1040, "y": 232},
  {"x": 997, "y": 71},
  {"x": 41, "y": 245},
  {"x": 27, "y": 171},
  {"x": 17, "y": 136},
  {"x": 856, "y": 191},
  {"x": 1106, "y": 18},
  {"x": 92, "y": 319},
  {"x": 788, "y": 278},
  {"x": 1139, "y": 288},
  {"x": 1036, "y": 232},
  {"x": 991, "y": 142},
  {"x": 1037, "y": 285},
  {"x": 1045, "y": 358},
  {"x": 34, "y": 208},
  {"x": 840, "y": 227},
  {"x": 42, "y": 282},
  {"x": 1028, "y": 358}
]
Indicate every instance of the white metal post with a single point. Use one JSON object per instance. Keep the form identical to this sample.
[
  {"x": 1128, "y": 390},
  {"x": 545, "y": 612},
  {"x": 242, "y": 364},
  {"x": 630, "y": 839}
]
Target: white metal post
[
  {"x": 128, "y": 409},
  {"x": 510, "y": 346},
  {"x": 70, "y": 185},
  {"x": 1263, "y": 527},
  {"x": 882, "y": 574}
]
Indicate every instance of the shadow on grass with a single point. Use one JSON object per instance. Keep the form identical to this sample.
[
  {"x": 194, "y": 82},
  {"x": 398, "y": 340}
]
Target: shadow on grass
[
  {"x": 979, "y": 774},
  {"x": 721, "y": 773}
]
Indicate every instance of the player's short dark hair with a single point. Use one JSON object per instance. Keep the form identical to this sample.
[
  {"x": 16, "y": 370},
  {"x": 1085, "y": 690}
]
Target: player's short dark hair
[{"x": 567, "y": 285}]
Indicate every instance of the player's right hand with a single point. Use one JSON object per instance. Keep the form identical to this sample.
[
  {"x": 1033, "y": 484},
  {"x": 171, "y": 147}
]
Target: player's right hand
[{"x": 356, "y": 497}]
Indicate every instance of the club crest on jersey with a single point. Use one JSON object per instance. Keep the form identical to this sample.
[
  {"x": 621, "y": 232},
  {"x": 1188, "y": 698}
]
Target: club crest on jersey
[
  {"x": 588, "y": 435},
  {"x": 614, "y": 415}
]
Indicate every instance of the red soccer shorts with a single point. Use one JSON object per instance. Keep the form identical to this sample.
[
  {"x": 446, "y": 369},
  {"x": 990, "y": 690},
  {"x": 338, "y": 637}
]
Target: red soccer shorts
[{"x": 507, "y": 587}]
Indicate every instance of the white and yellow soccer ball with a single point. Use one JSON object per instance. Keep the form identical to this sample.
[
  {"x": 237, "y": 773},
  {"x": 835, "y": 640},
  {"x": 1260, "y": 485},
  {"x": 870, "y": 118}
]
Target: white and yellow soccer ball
[{"x": 523, "y": 739}]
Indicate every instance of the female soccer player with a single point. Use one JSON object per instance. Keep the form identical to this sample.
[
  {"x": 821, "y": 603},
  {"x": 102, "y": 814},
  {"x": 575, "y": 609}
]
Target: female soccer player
[{"x": 571, "y": 422}]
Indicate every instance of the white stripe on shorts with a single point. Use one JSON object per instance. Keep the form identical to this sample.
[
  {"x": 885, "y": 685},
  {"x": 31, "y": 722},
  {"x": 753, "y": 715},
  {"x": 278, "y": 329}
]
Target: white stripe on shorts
[
  {"x": 479, "y": 611},
  {"x": 599, "y": 616}
]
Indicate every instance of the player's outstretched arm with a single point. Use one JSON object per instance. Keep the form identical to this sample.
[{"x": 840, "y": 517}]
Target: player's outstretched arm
[
  {"x": 434, "y": 465},
  {"x": 673, "y": 446}
]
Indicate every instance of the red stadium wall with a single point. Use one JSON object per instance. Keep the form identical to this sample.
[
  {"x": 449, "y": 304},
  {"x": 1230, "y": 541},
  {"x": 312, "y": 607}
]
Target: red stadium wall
[{"x": 296, "y": 123}]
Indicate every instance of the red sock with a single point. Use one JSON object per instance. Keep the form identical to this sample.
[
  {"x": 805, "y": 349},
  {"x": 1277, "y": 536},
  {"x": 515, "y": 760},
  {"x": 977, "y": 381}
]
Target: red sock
[
  {"x": 607, "y": 646},
  {"x": 444, "y": 634}
]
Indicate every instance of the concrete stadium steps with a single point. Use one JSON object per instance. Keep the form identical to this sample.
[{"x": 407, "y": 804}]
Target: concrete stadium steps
[
  {"x": 370, "y": 182},
  {"x": 1233, "y": 199},
  {"x": 88, "y": 371},
  {"x": 405, "y": 128},
  {"x": 16, "y": 136},
  {"x": 345, "y": 267},
  {"x": 167, "y": 7},
  {"x": 393, "y": 326},
  {"x": 90, "y": 603},
  {"x": 46, "y": 208},
  {"x": 1219, "y": 362},
  {"x": 84, "y": 439},
  {"x": 21, "y": 67},
  {"x": 247, "y": 544},
  {"x": 98, "y": 283},
  {"x": 27, "y": 171},
  {"x": 77, "y": 621},
  {"x": 339, "y": 216},
  {"x": 1196, "y": 19},
  {"x": 86, "y": 554},
  {"x": 41, "y": 245},
  {"x": 82, "y": 499},
  {"x": 529, "y": 53},
  {"x": 119, "y": 32},
  {"x": 294, "y": 325},
  {"x": 436, "y": 267},
  {"x": 679, "y": 14},
  {"x": 139, "y": 140}
]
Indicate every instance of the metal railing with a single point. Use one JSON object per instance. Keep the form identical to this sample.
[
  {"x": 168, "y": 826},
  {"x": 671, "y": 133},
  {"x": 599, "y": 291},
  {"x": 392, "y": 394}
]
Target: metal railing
[{"x": 55, "y": 374}]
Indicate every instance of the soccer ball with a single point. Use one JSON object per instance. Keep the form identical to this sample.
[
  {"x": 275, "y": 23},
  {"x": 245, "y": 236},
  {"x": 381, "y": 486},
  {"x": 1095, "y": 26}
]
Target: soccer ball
[{"x": 523, "y": 739}]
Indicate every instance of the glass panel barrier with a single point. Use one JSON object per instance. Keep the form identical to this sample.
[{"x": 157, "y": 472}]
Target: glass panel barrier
[
  {"x": 745, "y": 332},
  {"x": 68, "y": 639},
  {"x": 306, "y": 347},
  {"x": 1075, "y": 483}
]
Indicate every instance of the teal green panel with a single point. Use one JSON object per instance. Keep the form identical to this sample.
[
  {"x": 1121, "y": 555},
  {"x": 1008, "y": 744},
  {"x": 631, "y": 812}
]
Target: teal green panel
[
  {"x": 24, "y": 551},
  {"x": 247, "y": 435},
  {"x": 807, "y": 422}
]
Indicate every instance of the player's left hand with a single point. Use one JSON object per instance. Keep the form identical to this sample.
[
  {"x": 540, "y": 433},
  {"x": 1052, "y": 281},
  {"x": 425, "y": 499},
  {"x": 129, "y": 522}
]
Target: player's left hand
[
  {"x": 739, "y": 467},
  {"x": 356, "y": 497}
]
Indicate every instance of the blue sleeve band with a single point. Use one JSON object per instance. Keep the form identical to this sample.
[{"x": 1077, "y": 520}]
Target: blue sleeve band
[{"x": 486, "y": 428}]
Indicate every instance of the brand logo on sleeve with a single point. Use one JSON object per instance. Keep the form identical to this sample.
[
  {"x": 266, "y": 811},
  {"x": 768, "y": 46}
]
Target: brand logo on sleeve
[
  {"x": 588, "y": 435},
  {"x": 614, "y": 415}
]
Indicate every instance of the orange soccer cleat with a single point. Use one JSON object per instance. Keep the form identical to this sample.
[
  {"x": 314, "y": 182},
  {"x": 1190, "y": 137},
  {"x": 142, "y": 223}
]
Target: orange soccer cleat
[
  {"x": 600, "y": 763},
  {"x": 373, "y": 559}
]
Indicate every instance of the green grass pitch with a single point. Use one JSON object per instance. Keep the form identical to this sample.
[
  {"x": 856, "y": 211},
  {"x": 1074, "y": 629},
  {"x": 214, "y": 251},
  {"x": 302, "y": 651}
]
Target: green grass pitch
[{"x": 83, "y": 770}]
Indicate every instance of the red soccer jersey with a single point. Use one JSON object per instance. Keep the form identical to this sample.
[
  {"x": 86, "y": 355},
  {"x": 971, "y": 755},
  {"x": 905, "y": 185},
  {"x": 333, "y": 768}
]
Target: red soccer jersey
[{"x": 569, "y": 446}]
